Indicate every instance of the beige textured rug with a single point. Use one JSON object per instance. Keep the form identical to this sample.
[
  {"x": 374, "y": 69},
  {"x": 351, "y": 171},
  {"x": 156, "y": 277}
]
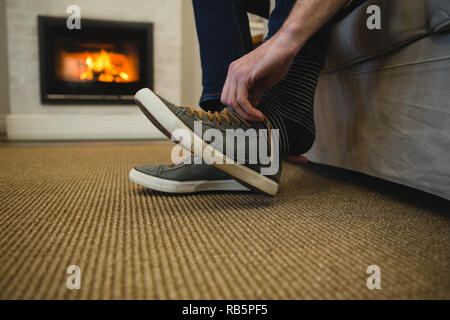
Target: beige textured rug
[{"x": 72, "y": 204}]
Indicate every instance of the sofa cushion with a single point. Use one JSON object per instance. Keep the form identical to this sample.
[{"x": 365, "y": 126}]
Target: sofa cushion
[
  {"x": 402, "y": 22},
  {"x": 389, "y": 117},
  {"x": 439, "y": 14}
]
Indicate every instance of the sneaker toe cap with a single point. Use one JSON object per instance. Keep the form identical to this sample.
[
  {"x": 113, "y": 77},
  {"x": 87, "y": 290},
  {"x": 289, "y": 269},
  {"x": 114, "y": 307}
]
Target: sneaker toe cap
[{"x": 150, "y": 169}]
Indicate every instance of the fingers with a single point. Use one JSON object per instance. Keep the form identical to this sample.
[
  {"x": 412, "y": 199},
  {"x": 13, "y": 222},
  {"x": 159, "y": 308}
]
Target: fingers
[
  {"x": 244, "y": 103},
  {"x": 254, "y": 101},
  {"x": 235, "y": 94},
  {"x": 253, "y": 98},
  {"x": 233, "y": 103},
  {"x": 254, "y": 94}
]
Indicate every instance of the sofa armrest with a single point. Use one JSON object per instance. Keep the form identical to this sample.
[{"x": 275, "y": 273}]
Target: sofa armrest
[
  {"x": 402, "y": 22},
  {"x": 439, "y": 15}
]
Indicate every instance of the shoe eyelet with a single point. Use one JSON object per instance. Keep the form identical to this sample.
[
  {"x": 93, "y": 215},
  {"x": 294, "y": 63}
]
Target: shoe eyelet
[{"x": 229, "y": 124}]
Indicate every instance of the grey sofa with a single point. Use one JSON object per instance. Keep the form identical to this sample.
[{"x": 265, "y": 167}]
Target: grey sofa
[{"x": 383, "y": 99}]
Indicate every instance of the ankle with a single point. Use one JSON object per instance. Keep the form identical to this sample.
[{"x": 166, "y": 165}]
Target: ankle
[{"x": 212, "y": 105}]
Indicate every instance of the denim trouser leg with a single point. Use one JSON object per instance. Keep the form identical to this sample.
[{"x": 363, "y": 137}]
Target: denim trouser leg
[
  {"x": 279, "y": 15},
  {"x": 224, "y": 36}
]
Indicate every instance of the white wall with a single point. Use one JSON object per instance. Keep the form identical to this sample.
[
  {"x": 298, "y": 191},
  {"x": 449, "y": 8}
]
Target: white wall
[
  {"x": 191, "y": 72},
  {"x": 4, "y": 89},
  {"x": 170, "y": 25}
]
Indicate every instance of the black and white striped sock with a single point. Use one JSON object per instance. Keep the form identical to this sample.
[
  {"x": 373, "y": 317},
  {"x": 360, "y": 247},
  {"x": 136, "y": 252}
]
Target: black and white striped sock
[{"x": 290, "y": 104}]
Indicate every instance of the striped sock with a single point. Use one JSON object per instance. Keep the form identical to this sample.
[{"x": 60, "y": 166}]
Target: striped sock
[{"x": 290, "y": 104}]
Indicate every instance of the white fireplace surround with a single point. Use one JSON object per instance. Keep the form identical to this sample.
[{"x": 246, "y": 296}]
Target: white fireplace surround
[{"x": 177, "y": 73}]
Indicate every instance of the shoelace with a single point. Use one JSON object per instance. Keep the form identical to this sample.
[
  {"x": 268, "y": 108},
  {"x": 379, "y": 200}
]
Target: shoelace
[{"x": 225, "y": 114}]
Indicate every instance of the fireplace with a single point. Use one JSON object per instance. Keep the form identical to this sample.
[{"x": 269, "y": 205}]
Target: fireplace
[{"x": 104, "y": 62}]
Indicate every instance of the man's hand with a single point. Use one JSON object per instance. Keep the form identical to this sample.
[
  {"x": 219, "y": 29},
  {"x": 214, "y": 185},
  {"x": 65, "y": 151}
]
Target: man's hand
[
  {"x": 256, "y": 72},
  {"x": 265, "y": 66}
]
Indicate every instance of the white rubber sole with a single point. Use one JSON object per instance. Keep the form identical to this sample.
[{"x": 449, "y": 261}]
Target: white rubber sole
[
  {"x": 167, "y": 122},
  {"x": 171, "y": 186}
]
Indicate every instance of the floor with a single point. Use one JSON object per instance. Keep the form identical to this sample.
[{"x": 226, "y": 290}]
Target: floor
[{"x": 65, "y": 204}]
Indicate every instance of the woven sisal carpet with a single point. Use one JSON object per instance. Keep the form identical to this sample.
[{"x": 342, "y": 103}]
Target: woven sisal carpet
[{"x": 73, "y": 204}]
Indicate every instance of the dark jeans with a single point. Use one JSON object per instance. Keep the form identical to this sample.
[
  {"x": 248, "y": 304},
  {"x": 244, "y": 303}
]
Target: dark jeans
[{"x": 224, "y": 36}]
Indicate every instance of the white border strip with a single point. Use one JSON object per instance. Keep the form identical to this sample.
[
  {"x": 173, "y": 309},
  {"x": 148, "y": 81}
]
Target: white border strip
[{"x": 80, "y": 127}]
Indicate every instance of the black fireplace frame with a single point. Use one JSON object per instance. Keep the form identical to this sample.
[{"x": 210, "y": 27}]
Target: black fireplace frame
[{"x": 60, "y": 92}]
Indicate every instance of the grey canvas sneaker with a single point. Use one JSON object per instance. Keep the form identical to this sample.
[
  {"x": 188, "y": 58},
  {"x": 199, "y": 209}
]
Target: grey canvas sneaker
[
  {"x": 169, "y": 118},
  {"x": 184, "y": 178}
]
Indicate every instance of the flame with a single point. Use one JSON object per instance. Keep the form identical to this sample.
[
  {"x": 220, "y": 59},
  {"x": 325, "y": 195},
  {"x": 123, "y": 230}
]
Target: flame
[
  {"x": 99, "y": 63},
  {"x": 99, "y": 66}
]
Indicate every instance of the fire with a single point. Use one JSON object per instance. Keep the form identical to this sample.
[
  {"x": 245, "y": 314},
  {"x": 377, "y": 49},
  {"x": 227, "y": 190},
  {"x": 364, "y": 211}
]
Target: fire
[
  {"x": 99, "y": 66},
  {"x": 99, "y": 63}
]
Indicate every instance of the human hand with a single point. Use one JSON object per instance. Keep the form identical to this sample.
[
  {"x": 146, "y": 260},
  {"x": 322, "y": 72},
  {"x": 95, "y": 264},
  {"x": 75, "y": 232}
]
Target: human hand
[{"x": 256, "y": 72}]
